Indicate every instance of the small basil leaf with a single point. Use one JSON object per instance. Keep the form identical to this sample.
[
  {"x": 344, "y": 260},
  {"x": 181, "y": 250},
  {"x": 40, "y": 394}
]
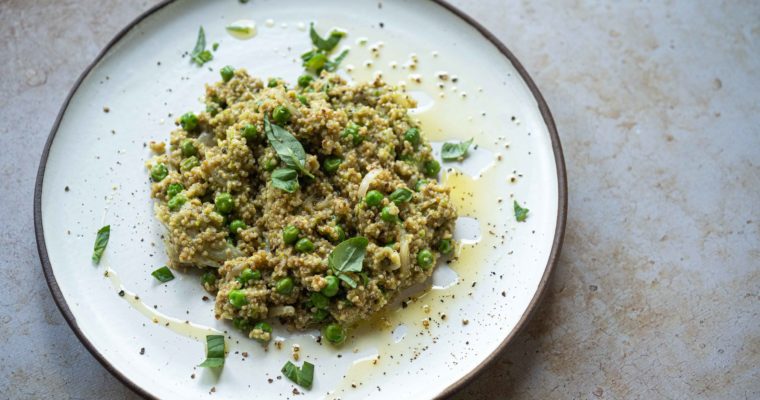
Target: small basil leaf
[
  {"x": 348, "y": 256},
  {"x": 325, "y": 44},
  {"x": 349, "y": 281},
  {"x": 520, "y": 213},
  {"x": 288, "y": 148},
  {"x": 163, "y": 274},
  {"x": 101, "y": 241},
  {"x": 285, "y": 179},
  {"x": 214, "y": 352},
  {"x": 401, "y": 195},
  {"x": 455, "y": 151},
  {"x": 315, "y": 63},
  {"x": 303, "y": 376},
  {"x": 199, "y": 54}
]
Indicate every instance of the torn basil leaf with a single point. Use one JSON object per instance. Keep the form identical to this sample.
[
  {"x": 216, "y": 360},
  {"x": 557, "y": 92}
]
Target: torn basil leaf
[
  {"x": 332, "y": 65},
  {"x": 163, "y": 274},
  {"x": 288, "y": 148},
  {"x": 348, "y": 256},
  {"x": 199, "y": 54},
  {"x": 326, "y": 45},
  {"x": 401, "y": 195},
  {"x": 285, "y": 179},
  {"x": 303, "y": 376},
  {"x": 214, "y": 352},
  {"x": 455, "y": 151},
  {"x": 101, "y": 241}
]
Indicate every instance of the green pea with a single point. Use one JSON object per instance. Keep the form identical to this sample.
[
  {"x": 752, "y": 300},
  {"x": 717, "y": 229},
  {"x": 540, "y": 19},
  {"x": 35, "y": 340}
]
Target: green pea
[
  {"x": 284, "y": 286},
  {"x": 412, "y": 135},
  {"x": 241, "y": 323},
  {"x": 174, "y": 189},
  {"x": 249, "y": 132},
  {"x": 176, "y": 202},
  {"x": 304, "y": 245},
  {"x": 352, "y": 131},
  {"x": 224, "y": 203},
  {"x": 420, "y": 184},
  {"x": 237, "y": 225},
  {"x": 290, "y": 234},
  {"x": 188, "y": 121},
  {"x": 263, "y": 326},
  {"x": 304, "y": 80},
  {"x": 158, "y": 172},
  {"x": 208, "y": 278},
  {"x": 445, "y": 247},
  {"x": 431, "y": 167},
  {"x": 248, "y": 275},
  {"x": 320, "y": 315},
  {"x": 227, "y": 73},
  {"x": 331, "y": 164},
  {"x": 270, "y": 164},
  {"x": 387, "y": 216},
  {"x": 281, "y": 114},
  {"x": 373, "y": 198},
  {"x": 334, "y": 333},
  {"x": 237, "y": 298},
  {"x": 332, "y": 287},
  {"x": 189, "y": 163},
  {"x": 302, "y": 99},
  {"x": 188, "y": 148},
  {"x": 273, "y": 82},
  {"x": 319, "y": 300},
  {"x": 425, "y": 258},
  {"x": 339, "y": 234}
]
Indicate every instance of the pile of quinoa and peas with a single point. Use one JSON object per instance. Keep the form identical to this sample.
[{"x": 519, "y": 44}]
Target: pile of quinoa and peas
[{"x": 314, "y": 204}]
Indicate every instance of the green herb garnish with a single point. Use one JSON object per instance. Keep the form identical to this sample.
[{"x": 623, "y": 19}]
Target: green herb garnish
[
  {"x": 520, "y": 213},
  {"x": 288, "y": 148},
  {"x": 401, "y": 195},
  {"x": 214, "y": 352},
  {"x": 348, "y": 256},
  {"x": 200, "y": 55},
  {"x": 101, "y": 241},
  {"x": 303, "y": 376},
  {"x": 285, "y": 179},
  {"x": 326, "y": 45},
  {"x": 163, "y": 274},
  {"x": 243, "y": 29},
  {"x": 332, "y": 65},
  {"x": 455, "y": 151}
]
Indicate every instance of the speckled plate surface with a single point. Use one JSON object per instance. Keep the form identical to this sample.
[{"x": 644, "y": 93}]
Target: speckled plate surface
[{"x": 467, "y": 85}]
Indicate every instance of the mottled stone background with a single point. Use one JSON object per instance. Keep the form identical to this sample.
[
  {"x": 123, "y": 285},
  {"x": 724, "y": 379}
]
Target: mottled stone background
[{"x": 657, "y": 293}]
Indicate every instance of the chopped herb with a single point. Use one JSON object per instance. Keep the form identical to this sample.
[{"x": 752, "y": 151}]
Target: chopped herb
[
  {"x": 455, "y": 151},
  {"x": 163, "y": 274},
  {"x": 314, "y": 61},
  {"x": 401, "y": 195},
  {"x": 520, "y": 213},
  {"x": 288, "y": 148},
  {"x": 285, "y": 179},
  {"x": 243, "y": 29},
  {"x": 214, "y": 46},
  {"x": 303, "y": 376},
  {"x": 199, "y": 54},
  {"x": 348, "y": 256},
  {"x": 101, "y": 241},
  {"x": 326, "y": 45},
  {"x": 332, "y": 65},
  {"x": 214, "y": 352}
]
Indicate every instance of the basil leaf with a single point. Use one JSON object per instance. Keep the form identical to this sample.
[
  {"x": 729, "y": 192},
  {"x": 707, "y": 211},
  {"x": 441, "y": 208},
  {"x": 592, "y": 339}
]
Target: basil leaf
[
  {"x": 214, "y": 352},
  {"x": 303, "y": 376},
  {"x": 455, "y": 151},
  {"x": 332, "y": 65},
  {"x": 199, "y": 54},
  {"x": 163, "y": 274},
  {"x": 288, "y": 148},
  {"x": 520, "y": 213},
  {"x": 325, "y": 44},
  {"x": 315, "y": 62},
  {"x": 348, "y": 256},
  {"x": 401, "y": 195},
  {"x": 101, "y": 241},
  {"x": 285, "y": 179},
  {"x": 244, "y": 29}
]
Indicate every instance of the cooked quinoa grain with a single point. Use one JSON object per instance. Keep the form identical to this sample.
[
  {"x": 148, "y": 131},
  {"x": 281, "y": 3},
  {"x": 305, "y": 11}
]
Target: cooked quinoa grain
[{"x": 264, "y": 247}]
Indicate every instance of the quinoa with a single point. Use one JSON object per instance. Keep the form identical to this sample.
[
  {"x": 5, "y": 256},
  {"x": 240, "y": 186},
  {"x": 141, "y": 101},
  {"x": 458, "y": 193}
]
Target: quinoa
[{"x": 225, "y": 150}]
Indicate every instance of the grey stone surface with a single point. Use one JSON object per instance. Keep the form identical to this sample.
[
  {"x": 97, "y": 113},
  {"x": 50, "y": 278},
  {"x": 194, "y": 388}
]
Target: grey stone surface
[{"x": 657, "y": 293}]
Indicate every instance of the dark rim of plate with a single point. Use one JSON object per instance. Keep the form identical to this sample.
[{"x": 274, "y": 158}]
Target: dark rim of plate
[{"x": 452, "y": 388}]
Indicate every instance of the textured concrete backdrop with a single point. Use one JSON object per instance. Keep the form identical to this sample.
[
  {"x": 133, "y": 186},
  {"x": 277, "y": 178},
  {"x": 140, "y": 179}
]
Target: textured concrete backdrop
[{"x": 657, "y": 293}]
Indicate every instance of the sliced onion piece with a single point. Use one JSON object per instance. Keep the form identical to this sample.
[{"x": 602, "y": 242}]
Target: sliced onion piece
[
  {"x": 366, "y": 181},
  {"x": 207, "y": 139},
  {"x": 404, "y": 253},
  {"x": 282, "y": 311}
]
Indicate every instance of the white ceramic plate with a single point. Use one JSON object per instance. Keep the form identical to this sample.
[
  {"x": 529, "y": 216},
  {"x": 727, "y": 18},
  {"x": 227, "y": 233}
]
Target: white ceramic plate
[{"x": 92, "y": 174}]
